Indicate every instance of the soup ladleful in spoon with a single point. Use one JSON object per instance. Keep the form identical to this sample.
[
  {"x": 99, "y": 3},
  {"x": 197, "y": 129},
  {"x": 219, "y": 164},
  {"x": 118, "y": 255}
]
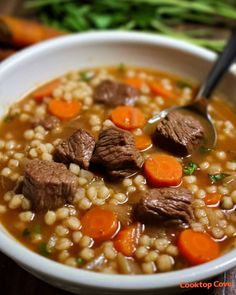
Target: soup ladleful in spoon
[{"x": 199, "y": 107}]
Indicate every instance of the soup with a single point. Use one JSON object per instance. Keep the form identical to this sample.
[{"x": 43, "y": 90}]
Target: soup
[{"x": 88, "y": 182}]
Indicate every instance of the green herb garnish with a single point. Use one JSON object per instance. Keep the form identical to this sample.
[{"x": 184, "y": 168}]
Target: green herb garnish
[
  {"x": 190, "y": 168},
  {"x": 8, "y": 118},
  {"x": 121, "y": 67},
  {"x": 182, "y": 84},
  {"x": 43, "y": 249},
  {"x": 37, "y": 229},
  {"x": 216, "y": 177},
  {"x": 26, "y": 232},
  {"x": 204, "y": 150},
  {"x": 79, "y": 261},
  {"x": 86, "y": 76}
]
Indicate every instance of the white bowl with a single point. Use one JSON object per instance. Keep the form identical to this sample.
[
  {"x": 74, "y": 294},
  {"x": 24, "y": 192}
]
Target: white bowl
[{"x": 42, "y": 62}]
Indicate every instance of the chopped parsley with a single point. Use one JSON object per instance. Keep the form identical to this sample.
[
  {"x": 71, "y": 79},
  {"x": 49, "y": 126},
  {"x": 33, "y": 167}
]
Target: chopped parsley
[
  {"x": 26, "y": 232},
  {"x": 86, "y": 76},
  {"x": 217, "y": 177},
  {"x": 37, "y": 229},
  {"x": 43, "y": 249},
  {"x": 79, "y": 261},
  {"x": 8, "y": 118},
  {"x": 182, "y": 84},
  {"x": 190, "y": 168},
  {"x": 121, "y": 67}
]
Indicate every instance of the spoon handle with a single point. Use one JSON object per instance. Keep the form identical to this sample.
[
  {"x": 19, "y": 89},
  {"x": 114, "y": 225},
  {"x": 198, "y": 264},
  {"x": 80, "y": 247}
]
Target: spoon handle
[{"x": 222, "y": 64}]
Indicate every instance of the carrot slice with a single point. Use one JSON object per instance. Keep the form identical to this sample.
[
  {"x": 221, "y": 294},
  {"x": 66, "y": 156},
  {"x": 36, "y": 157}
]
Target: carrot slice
[
  {"x": 45, "y": 90},
  {"x": 142, "y": 142},
  {"x": 127, "y": 239},
  {"x": 100, "y": 224},
  {"x": 197, "y": 247},
  {"x": 212, "y": 198},
  {"x": 162, "y": 170},
  {"x": 64, "y": 109},
  {"x": 158, "y": 89},
  {"x": 135, "y": 82},
  {"x": 127, "y": 117}
]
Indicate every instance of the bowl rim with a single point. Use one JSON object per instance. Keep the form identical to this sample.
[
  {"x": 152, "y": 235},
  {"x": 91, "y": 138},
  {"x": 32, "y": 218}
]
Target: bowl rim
[{"x": 46, "y": 267}]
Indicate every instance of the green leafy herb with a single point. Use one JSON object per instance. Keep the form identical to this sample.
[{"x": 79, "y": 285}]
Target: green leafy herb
[
  {"x": 190, "y": 168},
  {"x": 26, "y": 232},
  {"x": 121, "y": 67},
  {"x": 204, "y": 150},
  {"x": 79, "y": 261},
  {"x": 173, "y": 18},
  {"x": 86, "y": 76},
  {"x": 216, "y": 177},
  {"x": 182, "y": 84},
  {"x": 43, "y": 249},
  {"x": 37, "y": 229},
  {"x": 8, "y": 118},
  {"x": 101, "y": 21}
]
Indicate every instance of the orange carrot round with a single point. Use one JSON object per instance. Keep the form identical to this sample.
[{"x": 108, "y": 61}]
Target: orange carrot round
[
  {"x": 45, "y": 90},
  {"x": 127, "y": 239},
  {"x": 162, "y": 170},
  {"x": 64, "y": 109},
  {"x": 197, "y": 247},
  {"x": 99, "y": 224},
  {"x": 135, "y": 82},
  {"x": 127, "y": 117},
  {"x": 212, "y": 198},
  {"x": 142, "y": 142},
  {"x": 158, "y": 89}
]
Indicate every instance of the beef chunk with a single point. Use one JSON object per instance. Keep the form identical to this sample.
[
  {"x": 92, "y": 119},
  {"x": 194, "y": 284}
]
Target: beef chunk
[
  {"x": 78, "y": 148},
  {"x": 49, "y": 123},
  {"x": 114, "y": 94},
  {"x": 161, "y": 204},
  {"x": 179, "y": 134},
  {"x": 116, "y": 153},
  {"x": 48, "y": 185}
]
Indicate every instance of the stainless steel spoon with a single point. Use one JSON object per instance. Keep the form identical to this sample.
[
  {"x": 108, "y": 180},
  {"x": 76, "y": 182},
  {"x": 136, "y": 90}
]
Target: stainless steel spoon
[{"x": 199, "y": 107}]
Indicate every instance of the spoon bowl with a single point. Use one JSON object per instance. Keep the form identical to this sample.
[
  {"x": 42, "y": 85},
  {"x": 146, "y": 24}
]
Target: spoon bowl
[{"x": 199, "y": 110}]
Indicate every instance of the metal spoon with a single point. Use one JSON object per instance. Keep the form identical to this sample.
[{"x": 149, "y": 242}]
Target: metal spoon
[{"x": 199, "y": 107}]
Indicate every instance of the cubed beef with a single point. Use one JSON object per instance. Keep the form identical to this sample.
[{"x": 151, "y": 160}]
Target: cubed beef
[
  {"x": 48, "y": 185},
  {"x": 48, "y": 123},
  {"x": 179, "y": 134},
  {"x": 78, "y": 148},
  {"x": 116, "y": 153},
  {"x": 161, "y": 204},
  {"x": 113, "y": 94}
]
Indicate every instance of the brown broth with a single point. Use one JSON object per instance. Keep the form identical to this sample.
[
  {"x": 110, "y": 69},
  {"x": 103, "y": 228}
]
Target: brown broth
[{"x": 14, "y": 127}]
